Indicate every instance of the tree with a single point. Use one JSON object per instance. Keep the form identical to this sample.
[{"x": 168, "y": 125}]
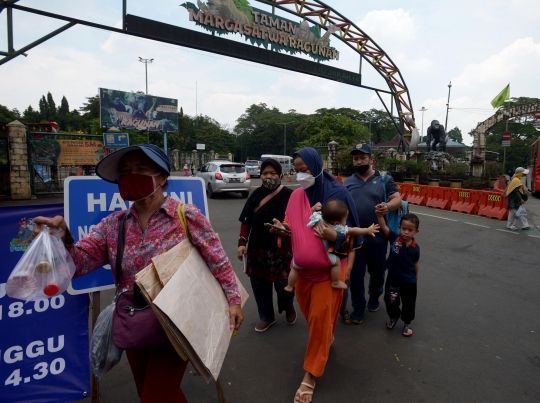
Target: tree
[
  {"x": 455, "y": 134},
  {"x": 6, "y": 116},
  {"x": 260, "y": 130},
  {"x": 51, "y": 108},
  {"x": 63, "y": 116},
  {"x": 30, "y": 115},
  {"x": 319, "y": 130},
  {"x": 43, "y": 111}
]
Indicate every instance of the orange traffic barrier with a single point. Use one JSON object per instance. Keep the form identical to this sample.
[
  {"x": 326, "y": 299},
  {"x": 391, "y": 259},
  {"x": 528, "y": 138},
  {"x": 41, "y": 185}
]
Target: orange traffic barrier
[
  {"x": 465, "y": 201},
  {"x": 404, "y": 190},
  {"x": 439, "y": 197},
  {"x": 492, "y": 205},
  {"x": 418, "y": 195}
]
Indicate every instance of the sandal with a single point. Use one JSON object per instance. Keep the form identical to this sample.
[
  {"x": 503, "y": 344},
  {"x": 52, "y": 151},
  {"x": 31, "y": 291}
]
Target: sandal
[
  {"x": 346, "y": 317},
  {"x": 406, "y": 329},
  {"x": 299, "y": 393},
  {"x": 391, "y": 323}
]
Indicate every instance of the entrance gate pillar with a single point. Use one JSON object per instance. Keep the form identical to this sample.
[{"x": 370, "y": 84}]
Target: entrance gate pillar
[
  {"x": 332, "y": 157},
  {"x": 19, "y": 175}
]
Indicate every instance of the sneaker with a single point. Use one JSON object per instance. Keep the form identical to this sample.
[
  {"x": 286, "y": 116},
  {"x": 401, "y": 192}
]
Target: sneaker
[
  {"x": 512, "y": 228},
  {"x": 290, "y": 315},
  {"x": 356, "y": 321},
  {"x": 263, "y": 326},
  {"x": 526, "y": 229},
  {"x": 373, "y": 306}
]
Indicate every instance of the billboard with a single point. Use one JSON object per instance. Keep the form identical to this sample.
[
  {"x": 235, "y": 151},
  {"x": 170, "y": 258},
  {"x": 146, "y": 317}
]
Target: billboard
[
  {"x": 51, "y": 151},
  {"x": 134, "y": 111},
  {"x": 44, "y": 343}
]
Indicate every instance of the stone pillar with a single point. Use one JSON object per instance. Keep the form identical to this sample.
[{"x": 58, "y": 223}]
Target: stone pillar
[
  {"x": 19, "y": 176},
  {"x": 229, "y": 156},
  {"x": 195, "y": 158},
  {"x": 175, "y": 160},
  {"x": 332, "y": 157}
]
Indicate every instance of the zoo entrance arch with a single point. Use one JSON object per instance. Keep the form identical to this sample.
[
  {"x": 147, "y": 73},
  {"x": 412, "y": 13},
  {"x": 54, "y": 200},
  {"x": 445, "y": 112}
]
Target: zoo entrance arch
[
  {"x": 502, "y": 115},
  {"x": 316, "y": 12}
]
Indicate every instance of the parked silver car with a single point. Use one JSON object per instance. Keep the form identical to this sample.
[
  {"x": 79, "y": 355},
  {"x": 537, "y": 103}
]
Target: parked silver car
[
  {"x": 225, "y": 176},
  {"x": 253, "y": 168}
]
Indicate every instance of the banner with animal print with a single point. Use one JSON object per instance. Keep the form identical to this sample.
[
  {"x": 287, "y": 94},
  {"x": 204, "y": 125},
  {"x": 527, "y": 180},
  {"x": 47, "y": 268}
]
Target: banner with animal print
[{"x": 135, "y": 111}]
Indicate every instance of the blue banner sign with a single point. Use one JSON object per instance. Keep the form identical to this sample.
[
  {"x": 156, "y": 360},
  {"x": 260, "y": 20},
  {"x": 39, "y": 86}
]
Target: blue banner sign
[
  {"x": 89, "y": 199},
  {"x": 44, "y": 343},
  {"x": 115, "y": 140}
]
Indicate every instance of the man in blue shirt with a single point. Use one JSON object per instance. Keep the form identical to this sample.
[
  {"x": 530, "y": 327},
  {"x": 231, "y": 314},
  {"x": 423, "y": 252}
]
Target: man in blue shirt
[{"x": 367, "y": 191}]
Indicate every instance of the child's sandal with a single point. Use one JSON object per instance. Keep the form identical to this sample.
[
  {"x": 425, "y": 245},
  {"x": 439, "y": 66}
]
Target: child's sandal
[{"x": 406, "y": 330}]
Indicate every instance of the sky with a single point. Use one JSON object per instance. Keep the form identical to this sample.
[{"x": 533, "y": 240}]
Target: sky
[{"x": 479, "y": 46}]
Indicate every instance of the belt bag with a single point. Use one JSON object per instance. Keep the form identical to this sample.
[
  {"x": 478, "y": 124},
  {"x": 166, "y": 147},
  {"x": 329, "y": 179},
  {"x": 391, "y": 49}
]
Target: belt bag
[{"x": 135, "y": 324}]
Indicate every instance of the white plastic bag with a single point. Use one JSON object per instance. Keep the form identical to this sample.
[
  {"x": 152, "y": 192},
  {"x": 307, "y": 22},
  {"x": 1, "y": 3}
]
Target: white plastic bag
[
  {"x": 44, "y": 270},
  {"x": 103, "y": 353},
  {"x": 521, "y": 212}
]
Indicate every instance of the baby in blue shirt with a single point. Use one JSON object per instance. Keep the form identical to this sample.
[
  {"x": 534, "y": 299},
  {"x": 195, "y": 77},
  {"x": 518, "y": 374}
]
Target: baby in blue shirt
[{"x": 334, "y": 213}]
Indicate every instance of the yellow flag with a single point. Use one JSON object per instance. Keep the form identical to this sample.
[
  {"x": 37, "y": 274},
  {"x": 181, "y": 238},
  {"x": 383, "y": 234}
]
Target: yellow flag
[{"x": 501, "y": 97}]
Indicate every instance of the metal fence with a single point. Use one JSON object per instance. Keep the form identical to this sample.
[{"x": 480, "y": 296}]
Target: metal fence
[{"x": 46, "y": 175}]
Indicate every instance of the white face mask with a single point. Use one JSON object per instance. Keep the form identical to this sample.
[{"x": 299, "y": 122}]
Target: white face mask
[{"x": 306, "y": 180}]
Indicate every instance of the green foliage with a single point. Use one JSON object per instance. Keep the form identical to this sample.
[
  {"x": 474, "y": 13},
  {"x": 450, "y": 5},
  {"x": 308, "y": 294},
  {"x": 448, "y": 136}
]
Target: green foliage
[
  {"x": 261, "y": 130},
  {"x": 6, "y": 115},
  {"x": 378, "y": 123},
  {"x": 493, "y": 169},
  {"x": 321, "y": 129},
  {"x": 456, "y": 169},
  {"x": 244, "y": 7},
  {"x": 455, "y": 134}
]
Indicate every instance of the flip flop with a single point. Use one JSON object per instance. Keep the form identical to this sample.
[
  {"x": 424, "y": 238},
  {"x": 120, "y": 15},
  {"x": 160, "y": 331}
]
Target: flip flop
[
  {"x": 391, "y": 323},
  {"x": 406, "y": 329},
  {"x": 299, "y": 393}
]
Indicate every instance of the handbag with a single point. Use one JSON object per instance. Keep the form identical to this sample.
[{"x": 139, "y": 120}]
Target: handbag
[
  {"x": 135, "y": 324},
  {"x": 393, "y": 218}
]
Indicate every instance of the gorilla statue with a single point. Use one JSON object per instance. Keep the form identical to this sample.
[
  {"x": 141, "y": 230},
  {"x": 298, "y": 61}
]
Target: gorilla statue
[{"x": 436, "y": 132}]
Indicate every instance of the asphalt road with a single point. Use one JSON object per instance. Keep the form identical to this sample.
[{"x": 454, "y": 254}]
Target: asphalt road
[{"x": 477, "y": 335}]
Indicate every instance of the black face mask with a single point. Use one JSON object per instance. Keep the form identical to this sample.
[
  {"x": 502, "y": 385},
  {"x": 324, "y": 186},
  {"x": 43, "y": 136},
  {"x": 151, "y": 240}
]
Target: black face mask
[{"x": 361, "y": 169}]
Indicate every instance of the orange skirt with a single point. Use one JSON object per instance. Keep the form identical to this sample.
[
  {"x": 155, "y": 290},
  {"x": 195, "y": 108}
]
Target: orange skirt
[{"x": 320, "y": 304}]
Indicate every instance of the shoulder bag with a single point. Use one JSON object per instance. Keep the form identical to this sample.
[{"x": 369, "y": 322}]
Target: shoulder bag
[{"x": 135, "y": 324}]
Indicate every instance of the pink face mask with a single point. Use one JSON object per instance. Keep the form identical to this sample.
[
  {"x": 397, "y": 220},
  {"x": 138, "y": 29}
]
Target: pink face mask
[{"x": 135, "y": 187}]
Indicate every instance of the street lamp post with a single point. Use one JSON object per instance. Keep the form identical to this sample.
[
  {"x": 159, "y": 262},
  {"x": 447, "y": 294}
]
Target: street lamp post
[
  {"x": 422, "y": 110},
  {"x": 146, "y": 61},
  {"x": 447, "y": 107},
  {"x": 285, "y": 137}
]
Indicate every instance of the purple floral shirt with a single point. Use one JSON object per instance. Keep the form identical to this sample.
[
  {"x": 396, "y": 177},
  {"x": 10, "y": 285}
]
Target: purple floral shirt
[{"x": 163, "y": 232}]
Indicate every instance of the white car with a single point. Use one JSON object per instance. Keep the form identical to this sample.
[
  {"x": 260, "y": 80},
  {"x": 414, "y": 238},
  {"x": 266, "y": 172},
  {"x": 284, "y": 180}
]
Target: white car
[
  {"x": 253, "y": 168},
  {"x": 225, "y": 176}
]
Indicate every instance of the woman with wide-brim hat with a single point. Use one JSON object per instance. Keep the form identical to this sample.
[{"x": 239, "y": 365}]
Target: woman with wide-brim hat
[{"x": 151, "y": 228}]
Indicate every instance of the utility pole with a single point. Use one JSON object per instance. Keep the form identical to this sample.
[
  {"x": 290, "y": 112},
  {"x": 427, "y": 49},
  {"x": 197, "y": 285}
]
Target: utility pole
[
  {"x": 285, "y": 137},
  {"x": 447, "y": 107},
  {"x": 146, "y": 61},
  {"x": 422, "y": 110}
]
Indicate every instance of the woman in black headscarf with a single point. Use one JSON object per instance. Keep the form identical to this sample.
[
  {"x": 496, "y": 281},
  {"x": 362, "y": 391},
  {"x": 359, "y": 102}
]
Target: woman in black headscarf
[{"x": 267, "y": 263}]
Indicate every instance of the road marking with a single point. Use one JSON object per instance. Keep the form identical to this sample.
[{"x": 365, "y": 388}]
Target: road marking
[
  {"x": 508, "y": 230},
  {"x": 434, "y": 216},
  {"x": 534, "y": 236},
  {"x": 476, "y": 225}
]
